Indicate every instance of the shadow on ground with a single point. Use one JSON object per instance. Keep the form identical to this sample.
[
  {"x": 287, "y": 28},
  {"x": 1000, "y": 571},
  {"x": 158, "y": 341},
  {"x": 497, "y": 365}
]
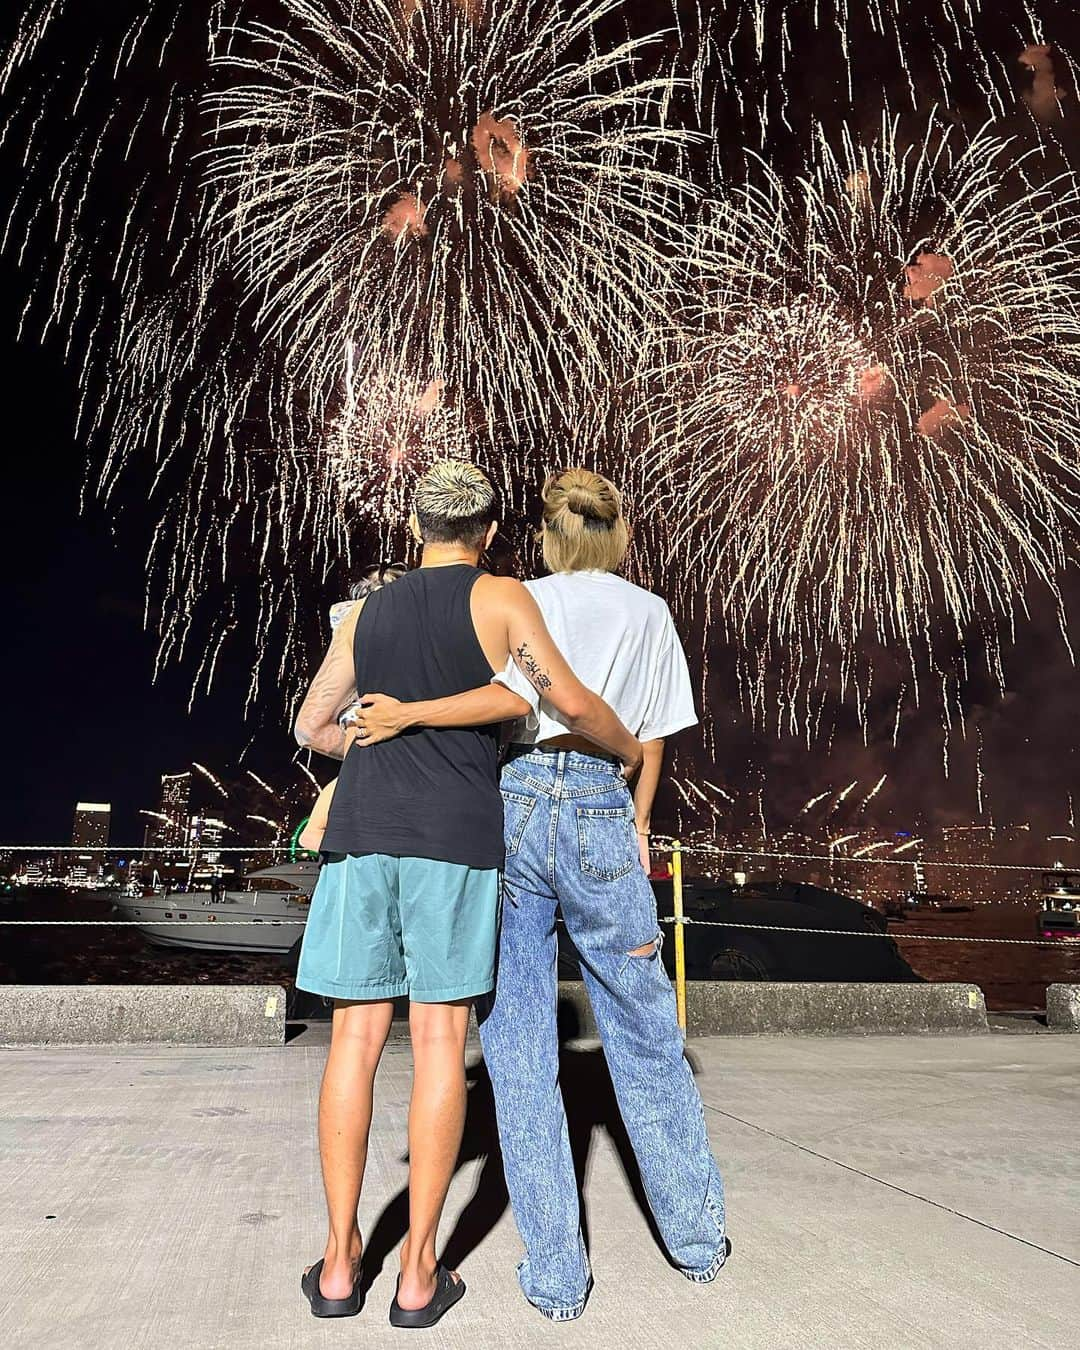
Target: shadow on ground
[{"x": 590, "y": 1105}]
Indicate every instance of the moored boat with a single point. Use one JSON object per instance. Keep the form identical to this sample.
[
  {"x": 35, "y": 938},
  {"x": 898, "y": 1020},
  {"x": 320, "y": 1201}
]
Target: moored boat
[
  {"x": 1059, "y": 916},
  {"x": 265, "y": 913}
]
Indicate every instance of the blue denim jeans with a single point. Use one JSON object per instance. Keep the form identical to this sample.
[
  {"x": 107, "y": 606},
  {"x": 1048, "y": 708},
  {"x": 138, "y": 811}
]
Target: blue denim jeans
[{"x": 571, "y": 842}]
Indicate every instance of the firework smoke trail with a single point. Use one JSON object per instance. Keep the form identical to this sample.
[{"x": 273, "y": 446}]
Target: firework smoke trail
[
  {"x": 814, "y": 801},
  {"x": 270, "y": 792},
  {"x": 840, "y": 798},
  {"x": 872, "y": 419},
  {"x": 306, "y": 771},
  {"x": 212, "y": 779},
  {"x": 872, "y": 793},
  {"x": 278, "y": 826}
]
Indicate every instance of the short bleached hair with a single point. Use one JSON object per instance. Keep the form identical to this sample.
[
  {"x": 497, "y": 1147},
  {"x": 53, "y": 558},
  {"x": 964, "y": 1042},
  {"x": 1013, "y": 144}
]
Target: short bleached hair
[{"x": 454, "y": 504}]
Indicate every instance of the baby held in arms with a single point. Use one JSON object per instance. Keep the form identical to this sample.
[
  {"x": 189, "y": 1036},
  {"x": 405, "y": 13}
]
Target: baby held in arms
[{"x": 373, "y": 579}]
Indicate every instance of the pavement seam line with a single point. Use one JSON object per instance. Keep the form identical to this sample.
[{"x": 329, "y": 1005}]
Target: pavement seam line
[{"x": 892, "y": 1186}]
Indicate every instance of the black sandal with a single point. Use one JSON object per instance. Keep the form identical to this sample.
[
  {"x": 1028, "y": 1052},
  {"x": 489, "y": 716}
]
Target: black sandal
[
  {"x": 448, "y": 1291},
  {"x": 329, "y": 1307}
]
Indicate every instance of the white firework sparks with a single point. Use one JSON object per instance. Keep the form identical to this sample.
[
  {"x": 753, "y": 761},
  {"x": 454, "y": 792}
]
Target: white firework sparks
[
  {"x": 370, "y": 234},
  {"x": 778, "y": 64},
  {"x": 872, "y": 418},
  {"x": 395, "y": 231},
  {"x": 481, "y": 190}
]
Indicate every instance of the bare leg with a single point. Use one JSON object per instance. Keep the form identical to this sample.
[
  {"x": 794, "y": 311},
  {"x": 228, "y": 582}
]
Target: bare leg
[
  {"x": 436, "y": 1122},
  {"x": 359, "y": 1034}
]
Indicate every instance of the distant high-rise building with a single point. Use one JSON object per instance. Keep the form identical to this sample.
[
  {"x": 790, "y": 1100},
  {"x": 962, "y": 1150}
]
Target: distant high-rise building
[
  {"x": 167, "y": 827},
  {"x": 91, "y": 828},
  {"x": 206, "y": 835},
  {"x": 90, "y": 832},
  {"x": 175, "y": 791}
]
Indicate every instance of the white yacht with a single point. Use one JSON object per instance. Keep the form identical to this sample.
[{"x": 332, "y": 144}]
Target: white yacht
[{"x": 266, "y": 913}]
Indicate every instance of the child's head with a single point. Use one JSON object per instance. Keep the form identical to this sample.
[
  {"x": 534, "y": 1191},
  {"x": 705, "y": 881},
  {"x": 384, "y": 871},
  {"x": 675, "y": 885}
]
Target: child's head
[{"x": 373, "y": 578}]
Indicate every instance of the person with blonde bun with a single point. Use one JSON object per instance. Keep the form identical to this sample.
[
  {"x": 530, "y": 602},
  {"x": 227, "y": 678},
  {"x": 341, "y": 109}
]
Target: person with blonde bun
[{"x": 577, "y": 838}]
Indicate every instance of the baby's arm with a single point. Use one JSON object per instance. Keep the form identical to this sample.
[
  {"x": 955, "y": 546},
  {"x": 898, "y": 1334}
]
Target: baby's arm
[{"x": 311, "y": 836}]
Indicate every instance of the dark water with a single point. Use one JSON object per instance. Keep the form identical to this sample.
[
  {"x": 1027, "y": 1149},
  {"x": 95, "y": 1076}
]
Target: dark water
[
  {"x": 1011, "y": 977},
  {"x": 109, "y": 954}
]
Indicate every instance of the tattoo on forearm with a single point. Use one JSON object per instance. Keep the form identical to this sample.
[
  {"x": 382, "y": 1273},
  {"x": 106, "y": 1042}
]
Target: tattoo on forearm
[{"x": 538, "y": 677}]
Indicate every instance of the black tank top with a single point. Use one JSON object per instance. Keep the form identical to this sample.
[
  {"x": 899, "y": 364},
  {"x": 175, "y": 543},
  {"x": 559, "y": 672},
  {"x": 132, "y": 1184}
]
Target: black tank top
[{"x": 431, "y": 792}]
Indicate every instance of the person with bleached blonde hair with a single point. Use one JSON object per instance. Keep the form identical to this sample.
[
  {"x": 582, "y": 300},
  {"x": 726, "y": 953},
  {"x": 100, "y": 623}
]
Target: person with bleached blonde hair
[
  {"x": 576, "y": 837},
  {"x": 407, "y": 899}
]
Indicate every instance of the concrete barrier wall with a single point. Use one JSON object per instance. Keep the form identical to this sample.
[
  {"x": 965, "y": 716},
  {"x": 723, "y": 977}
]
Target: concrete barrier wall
[
  {"x": 740, "y": 1008},
  {"x": 112, "y": 1014},
  {"x": 255, "y": 1014},
  {"x": 1063, "y": 1007}
]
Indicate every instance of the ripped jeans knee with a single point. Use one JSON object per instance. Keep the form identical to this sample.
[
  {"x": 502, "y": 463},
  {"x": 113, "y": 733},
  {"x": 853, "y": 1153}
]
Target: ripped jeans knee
[{"x": 647, "y": 951}]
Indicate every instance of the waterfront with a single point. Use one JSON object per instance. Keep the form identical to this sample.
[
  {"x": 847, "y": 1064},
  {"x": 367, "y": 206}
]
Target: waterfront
[
  {"x": 1012, "y": 977},
  {"x": 102, "y": 951}
]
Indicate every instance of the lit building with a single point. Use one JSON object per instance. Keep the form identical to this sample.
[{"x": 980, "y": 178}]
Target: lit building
[
  {"x": 167, "y": 827},
  {"x": 91, "y": 828},
  {"x": 175, "y": 791},
  {"x": 206, "y": 835},
  {"x": 91, "y": 832}
]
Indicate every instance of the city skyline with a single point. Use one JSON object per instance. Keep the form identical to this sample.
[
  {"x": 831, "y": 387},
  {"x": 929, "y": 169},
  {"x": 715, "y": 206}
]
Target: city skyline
[{"x": 960, "y": 861}]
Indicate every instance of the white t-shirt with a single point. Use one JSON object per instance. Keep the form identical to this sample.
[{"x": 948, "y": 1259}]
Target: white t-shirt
[{"x": 620, "y": 641}]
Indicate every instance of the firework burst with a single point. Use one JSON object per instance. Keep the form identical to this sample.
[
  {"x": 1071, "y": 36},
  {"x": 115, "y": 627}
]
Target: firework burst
[
  {"x": 776, "y": 65},
  {"x": 356, "y": 237},
  {"x": 367, "y": 235},
  {"x": 872, "y": 412},
  {"x": 480, "y": 191}
]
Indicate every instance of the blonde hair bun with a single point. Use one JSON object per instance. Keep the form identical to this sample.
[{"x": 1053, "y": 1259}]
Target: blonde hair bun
[
  {"x": 582, "y": 493},
  {"x": 583, "y": 528}
]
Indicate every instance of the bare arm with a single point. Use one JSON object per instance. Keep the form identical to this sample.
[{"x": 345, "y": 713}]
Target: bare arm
[
  {"x": 475, "y": 708},
  {"x": 311, "y": 836},
  {"x": 645, "y": 794},
  {"x": 647, "y": 783},
  {"x": 332, "y": 689}
]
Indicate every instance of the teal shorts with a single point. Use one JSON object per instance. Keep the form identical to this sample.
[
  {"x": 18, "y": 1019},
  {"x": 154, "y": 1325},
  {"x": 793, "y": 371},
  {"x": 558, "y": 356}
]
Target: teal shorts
[{"x": 385, "y": 927}]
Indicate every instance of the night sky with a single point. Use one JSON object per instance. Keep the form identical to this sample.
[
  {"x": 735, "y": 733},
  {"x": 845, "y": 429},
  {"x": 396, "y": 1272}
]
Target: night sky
[{"x": 84, "y": 718}]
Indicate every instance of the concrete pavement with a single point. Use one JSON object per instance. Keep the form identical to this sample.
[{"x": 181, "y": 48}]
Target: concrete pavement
[{"x": 885, "y": 1193}]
